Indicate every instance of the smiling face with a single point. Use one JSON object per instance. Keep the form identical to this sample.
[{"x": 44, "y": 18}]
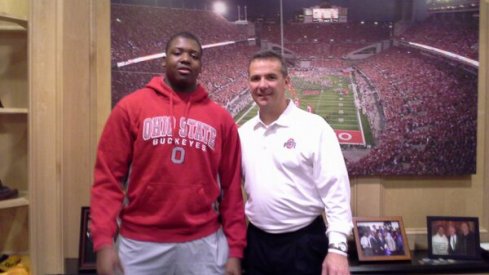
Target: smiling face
[
  {"x": 268, "y": 84},
  {"x": 451, "y": 230},
  {"x": 441, "y": 230},
  {"x": 183, "y": 63}
]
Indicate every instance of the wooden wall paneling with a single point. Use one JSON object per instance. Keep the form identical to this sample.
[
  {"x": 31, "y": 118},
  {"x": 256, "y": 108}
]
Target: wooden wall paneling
[
  {"x": 71, "y": 58},
  {"x": 367, "y": 197},
  {"x": 100, "y": 69},
  {"x": 15, "y": 7},
  {"x": 76, "y": 112},
  {"x": 86, "y": 102},
  {"x": 416, "y": 198},
  {"x": 45, "y": 122}
]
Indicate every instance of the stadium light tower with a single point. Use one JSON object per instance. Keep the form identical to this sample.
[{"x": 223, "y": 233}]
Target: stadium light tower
[
  {"x": 220, "y": 7},
  {"x": 281, "y": 29}
]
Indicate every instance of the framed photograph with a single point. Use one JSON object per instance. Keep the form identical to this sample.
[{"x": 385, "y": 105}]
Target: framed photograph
[
  {"x": 86, "y": 256},
  {"x": 381, "y": 239},
  {"x": 453, "y": 237}
]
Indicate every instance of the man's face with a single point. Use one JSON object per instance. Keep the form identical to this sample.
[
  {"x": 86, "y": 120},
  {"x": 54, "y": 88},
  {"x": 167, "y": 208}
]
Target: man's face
[
  {"x": 268, "y": 84},
  {"x": 451, "y": 230},
  {"x": 441, "y": 231},
  {"x": 464, "y": 228},
  {"x": 183, "y": 64}
]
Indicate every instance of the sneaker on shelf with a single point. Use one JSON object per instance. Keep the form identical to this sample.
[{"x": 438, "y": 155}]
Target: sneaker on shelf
[
  {"x": 7, "y": 192},
  {"x": 9, "y": 262}
]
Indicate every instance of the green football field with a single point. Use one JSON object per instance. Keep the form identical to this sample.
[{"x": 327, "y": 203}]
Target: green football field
[
  {"x": 332, "y": 98},
  {"x": 334, "y": 102}
]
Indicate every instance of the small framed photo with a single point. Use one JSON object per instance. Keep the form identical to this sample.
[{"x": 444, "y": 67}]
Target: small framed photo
[
  {"x": 86, "y": 256},
  {"x": 381, "y": 239},
  {"x": 453, "y": 237}
]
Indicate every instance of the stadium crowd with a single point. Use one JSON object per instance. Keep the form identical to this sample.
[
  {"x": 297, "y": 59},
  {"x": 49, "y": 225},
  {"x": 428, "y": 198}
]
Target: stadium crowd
[
  {"x": 430, "y": 110},
  {"x": 327, "y": 40},
  {"x": 454, "y": 32},
  {"x": 223, "y": 79},
  {"x": 133, "y": 35},
  {"x": 422, "y": 110}
]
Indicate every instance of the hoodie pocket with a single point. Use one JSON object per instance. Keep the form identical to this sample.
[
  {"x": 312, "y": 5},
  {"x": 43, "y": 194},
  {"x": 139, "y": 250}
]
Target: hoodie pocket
[{"x": 171, "y": 201}]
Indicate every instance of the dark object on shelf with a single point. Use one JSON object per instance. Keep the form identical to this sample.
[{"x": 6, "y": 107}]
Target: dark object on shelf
[
  {"x": 87, "y": 257},
  {"x": 7, "y": 262},
  {"x": 419, "y": 264},
  {"x": 7, "y": 192},
  {"x": 1, "y": 105}
]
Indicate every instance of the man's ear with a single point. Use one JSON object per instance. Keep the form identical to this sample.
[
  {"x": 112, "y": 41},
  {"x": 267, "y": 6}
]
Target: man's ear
[{"x": 287, "y": 82}]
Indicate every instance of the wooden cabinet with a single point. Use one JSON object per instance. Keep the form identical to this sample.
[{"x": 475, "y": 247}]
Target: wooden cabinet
[{"x": 14, "y": 137}]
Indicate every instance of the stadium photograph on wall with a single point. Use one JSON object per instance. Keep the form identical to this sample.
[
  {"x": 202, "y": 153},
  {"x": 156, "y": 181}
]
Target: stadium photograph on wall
[{"x": 397, "y": 80}]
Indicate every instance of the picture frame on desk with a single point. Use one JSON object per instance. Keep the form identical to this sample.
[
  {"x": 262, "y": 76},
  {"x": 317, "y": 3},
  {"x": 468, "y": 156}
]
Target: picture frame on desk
[
  {"x": 381, "y": 239},
  {"x": 453, "y": 237},
  {"x": 86, "y": 256}
]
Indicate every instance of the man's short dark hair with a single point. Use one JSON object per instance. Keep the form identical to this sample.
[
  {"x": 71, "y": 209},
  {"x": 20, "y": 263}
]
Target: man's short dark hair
[
  {"x": 187, "y": 35},
  {"x": 269, "y": 54}
]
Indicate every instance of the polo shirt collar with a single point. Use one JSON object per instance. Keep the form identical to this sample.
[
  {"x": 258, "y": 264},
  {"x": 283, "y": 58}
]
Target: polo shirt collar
[{"x": 282, "y": 121}]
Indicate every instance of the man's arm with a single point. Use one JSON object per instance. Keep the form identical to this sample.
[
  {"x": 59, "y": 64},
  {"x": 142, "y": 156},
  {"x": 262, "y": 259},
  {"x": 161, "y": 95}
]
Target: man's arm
[
  {"x": 334, "y": 189},
  {"x": 333, "y": 185},
  {"x": 335, "y": 264},
  {"x": 111, "y": 167},
  {"x": 108, "y": 262},
  {"x": 232, "y": 207}
]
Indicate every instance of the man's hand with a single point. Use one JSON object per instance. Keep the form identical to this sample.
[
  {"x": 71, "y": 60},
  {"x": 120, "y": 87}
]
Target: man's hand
[
  {"x": 233, "y": 266},
  {"x": 335, "y": 264},
  {"x": 108, "y": 262}
]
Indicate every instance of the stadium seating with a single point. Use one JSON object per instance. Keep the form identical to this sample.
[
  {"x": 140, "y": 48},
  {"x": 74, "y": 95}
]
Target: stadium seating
[
  {"x": 454, "y": 32},
  {"x": 422, "y": 110},
  {"x": 430, "y": 110}
]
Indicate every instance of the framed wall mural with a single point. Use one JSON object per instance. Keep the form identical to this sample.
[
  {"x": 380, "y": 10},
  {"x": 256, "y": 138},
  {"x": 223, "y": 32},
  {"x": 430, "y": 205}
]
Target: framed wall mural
[{"x": 401, "y": 99}]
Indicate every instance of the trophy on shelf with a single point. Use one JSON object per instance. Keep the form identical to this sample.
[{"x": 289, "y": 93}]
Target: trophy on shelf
[{"x": 7, "y": 192}]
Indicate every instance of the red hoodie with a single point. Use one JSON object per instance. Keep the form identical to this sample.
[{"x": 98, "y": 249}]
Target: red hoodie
[{"x": 163, "y": 179}]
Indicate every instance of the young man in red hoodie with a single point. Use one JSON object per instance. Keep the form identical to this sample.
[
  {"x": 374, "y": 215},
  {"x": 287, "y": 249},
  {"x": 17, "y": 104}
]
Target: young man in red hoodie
[{"x": 167, "y": 178}]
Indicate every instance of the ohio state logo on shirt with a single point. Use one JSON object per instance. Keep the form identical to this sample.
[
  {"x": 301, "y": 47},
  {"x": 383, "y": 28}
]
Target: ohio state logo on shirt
[
  {"x": 188, "y": 133},
  {"x": 290, "y": 144}
]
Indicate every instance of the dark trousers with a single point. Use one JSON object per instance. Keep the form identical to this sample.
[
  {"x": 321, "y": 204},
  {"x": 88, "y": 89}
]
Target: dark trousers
[{"x": 296, "y": 253}]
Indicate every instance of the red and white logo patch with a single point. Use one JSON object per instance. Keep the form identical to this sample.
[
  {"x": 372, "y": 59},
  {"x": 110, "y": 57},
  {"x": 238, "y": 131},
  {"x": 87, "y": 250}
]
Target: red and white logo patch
[{"x": 290, "y": 144}]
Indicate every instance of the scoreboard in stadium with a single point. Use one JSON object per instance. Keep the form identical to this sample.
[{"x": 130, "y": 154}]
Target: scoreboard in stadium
[{"x": 325, "y": 15}]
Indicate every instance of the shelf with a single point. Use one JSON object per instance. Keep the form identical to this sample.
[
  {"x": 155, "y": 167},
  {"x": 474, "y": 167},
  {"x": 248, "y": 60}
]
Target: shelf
[
  {"x": 12, "y": 28},
  {"x": 16, "y": 202},
  {"x": 21, "y": 21},
  {"x": 13, "y": 111},
  {"x": 417, "y": 266}
]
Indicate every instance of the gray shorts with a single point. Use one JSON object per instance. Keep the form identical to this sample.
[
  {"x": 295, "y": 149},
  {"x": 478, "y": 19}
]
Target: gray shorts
[{"x": 206, "y": 256}]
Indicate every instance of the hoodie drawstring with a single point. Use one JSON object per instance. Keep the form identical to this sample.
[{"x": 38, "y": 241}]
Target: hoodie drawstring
[
  {"x": 185, "y": 114},
  {"x": 174, "y": 119}
]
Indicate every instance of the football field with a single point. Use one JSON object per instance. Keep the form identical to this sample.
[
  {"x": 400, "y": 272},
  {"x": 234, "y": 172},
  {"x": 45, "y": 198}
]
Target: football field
[{"x": 330, "y": 97}]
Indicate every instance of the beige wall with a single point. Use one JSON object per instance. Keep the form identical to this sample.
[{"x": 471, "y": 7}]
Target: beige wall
[{"x": 70, "y": 90}]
